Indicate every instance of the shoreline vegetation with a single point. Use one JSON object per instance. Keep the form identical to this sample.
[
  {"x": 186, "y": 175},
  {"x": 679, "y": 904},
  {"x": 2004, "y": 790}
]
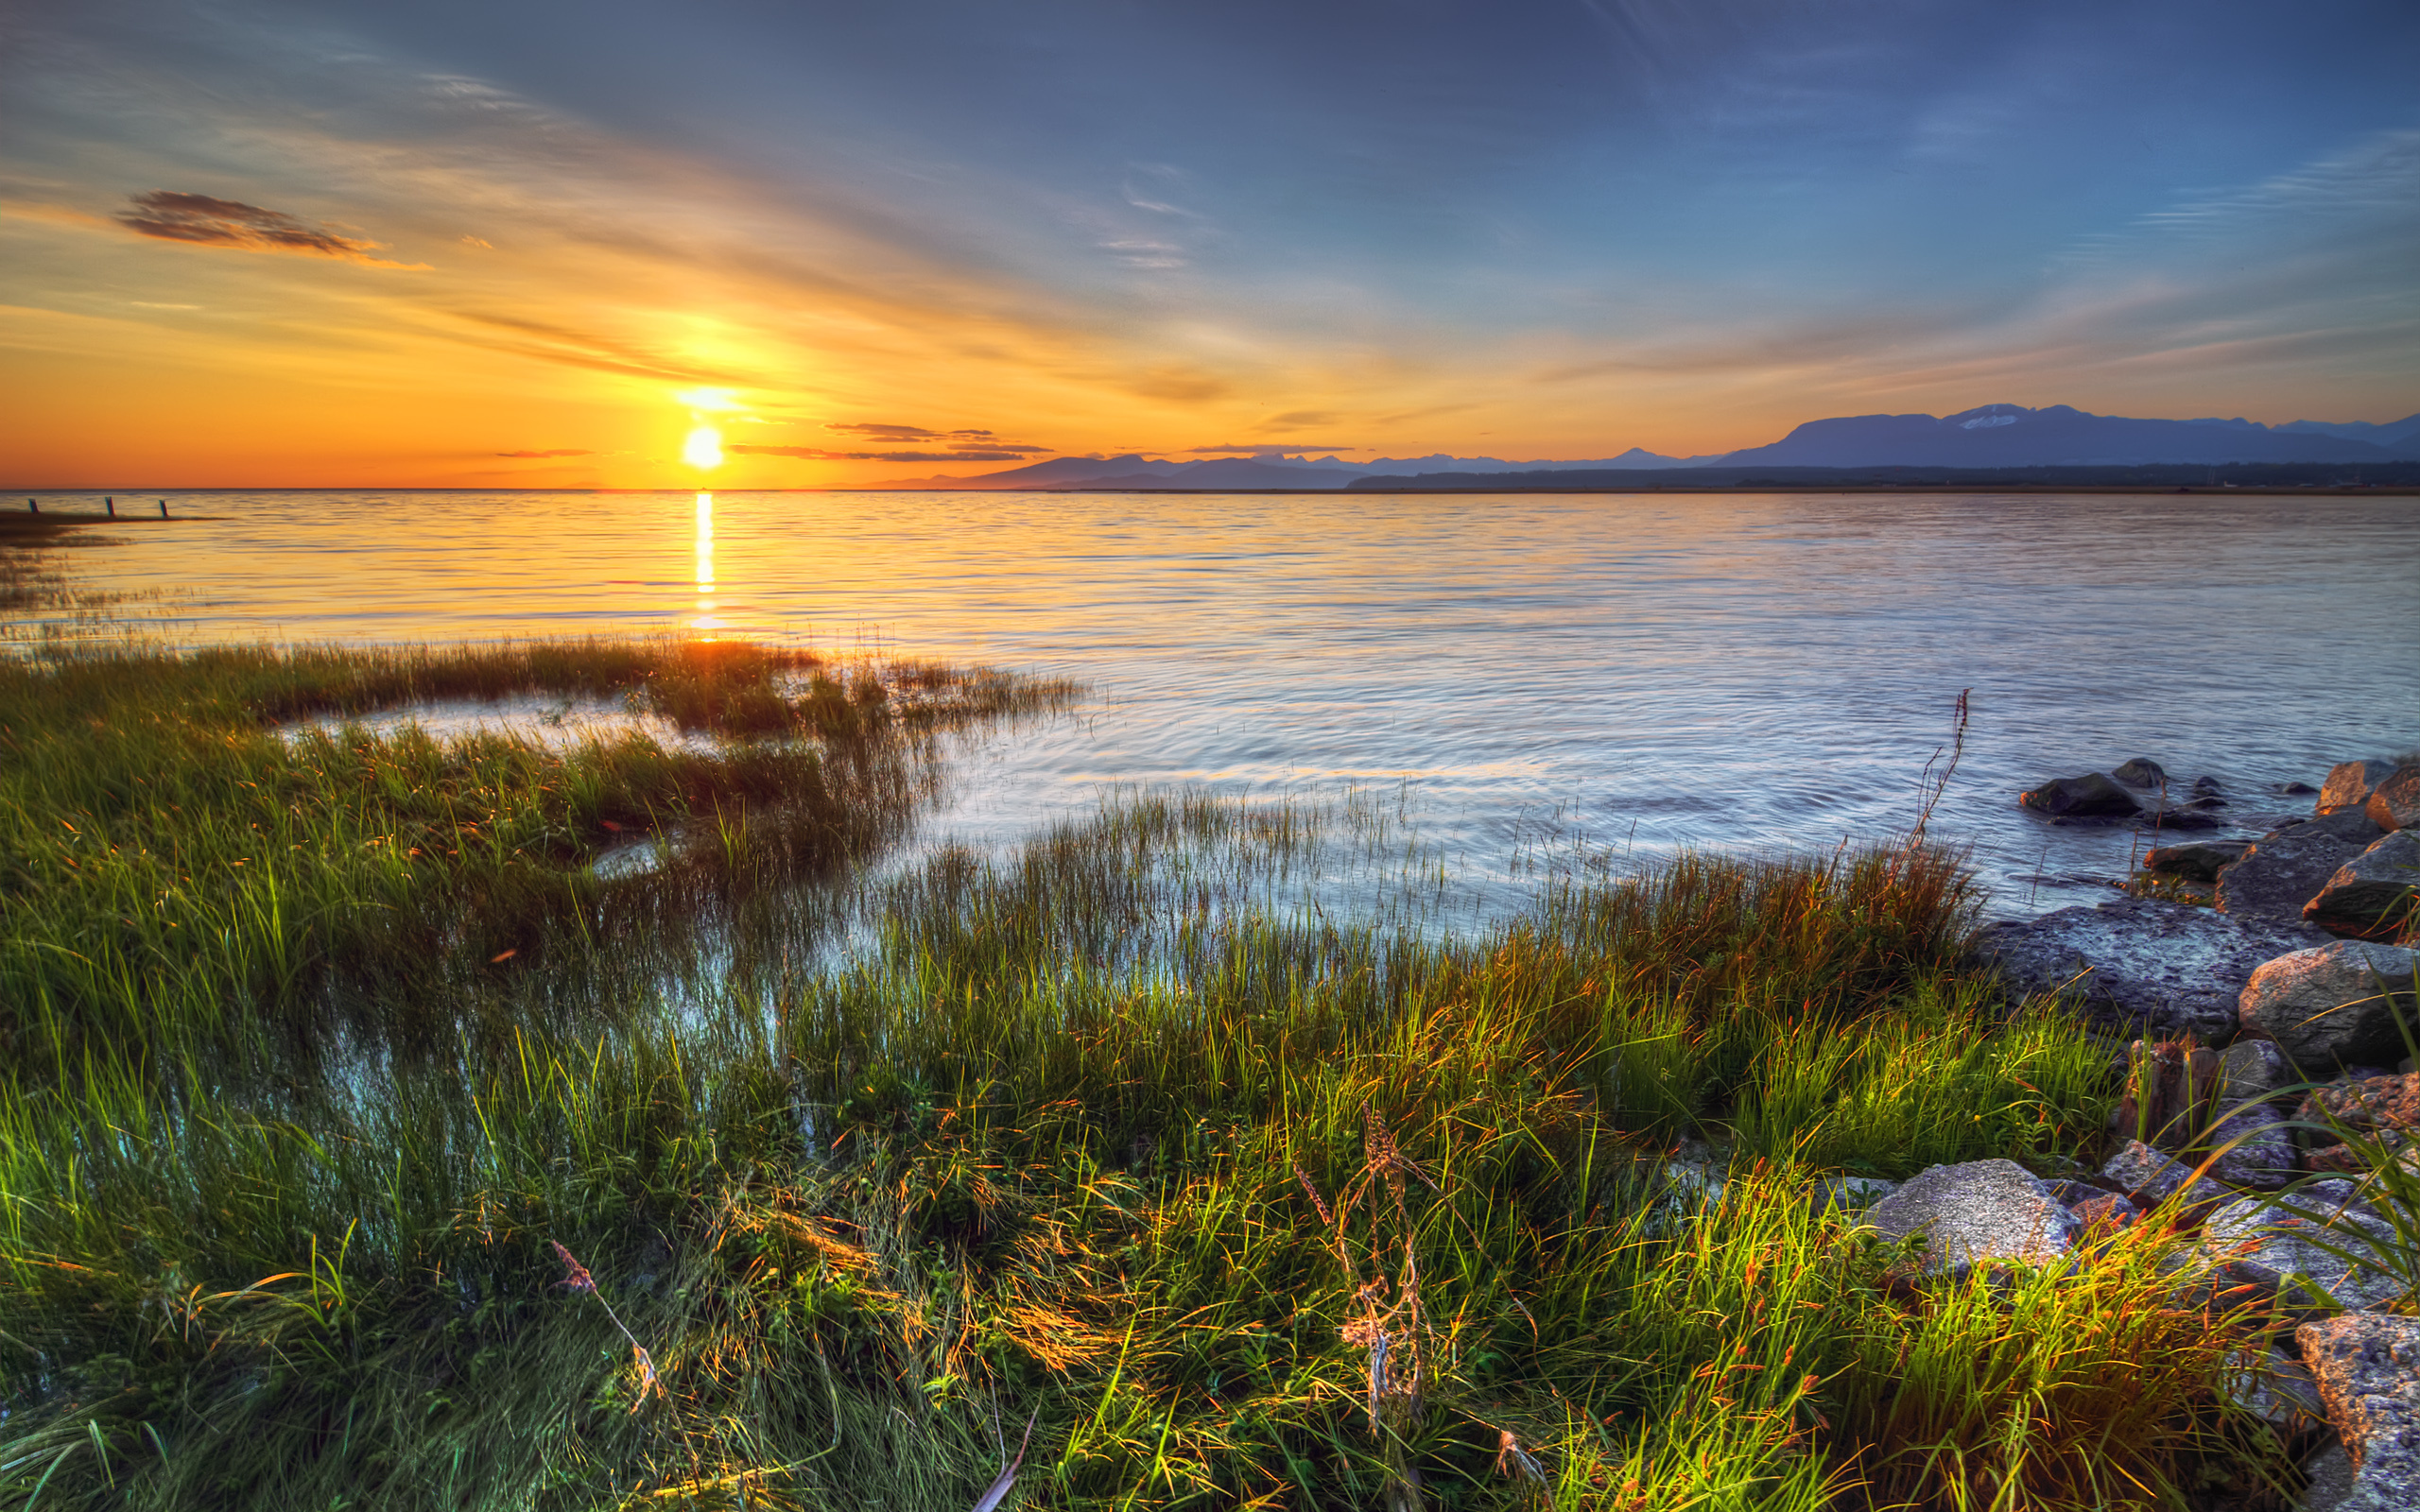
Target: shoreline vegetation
[
  {"x": 364, "y": 1147},
  {"x": 372, "y": 1137}
]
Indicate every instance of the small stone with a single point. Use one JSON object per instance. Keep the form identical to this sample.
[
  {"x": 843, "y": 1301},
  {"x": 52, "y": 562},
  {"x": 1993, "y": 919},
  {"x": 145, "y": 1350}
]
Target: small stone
[
  {"x": 2286, "y": 867},
  {"x": 2151, "y": 1177},
  {"x": 2344, "y": 1159},
  {"x": 2253, "y": 1148},
  {"x": 2373, "y": 895},
  {"x": 2252, "y": 1068},
  {"x": 2329, "y": 1474},
  {"x": 2395, "y": 804},
  {"x": 2195, "y": 860},
  {"x": 2195, "y": 816},
  {"x": 2290, "y": 1243},
  {"x": 2334, "y": 1005},
  {"x": 2141, "y": 772},
  {"x": 2091, "y": 795},
  {"x": 2370, "y": 1103},
  {"x": 2349, "y": 784},
  {"x": 2105, "y": 1211},
  {"x": 1978, "y": 1212},
  {"x": 2206, "y": 785},
  {"x": 2277, "y": 1388},
  {"x": 2367, "y": 1368},
  {"x": 2296, "y": 789}
]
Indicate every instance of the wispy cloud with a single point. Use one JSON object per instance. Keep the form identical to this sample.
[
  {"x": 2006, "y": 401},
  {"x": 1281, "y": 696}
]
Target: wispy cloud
[
  {"x": 204, "y": 220},
  {"x": 561, "y": 451},
  {"x": 1136, "y": 251},
  {"x": 817, "y": 454}
]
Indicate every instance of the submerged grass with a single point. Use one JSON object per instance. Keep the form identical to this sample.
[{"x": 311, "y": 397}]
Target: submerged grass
[{"x": 1224, "y": 1201}]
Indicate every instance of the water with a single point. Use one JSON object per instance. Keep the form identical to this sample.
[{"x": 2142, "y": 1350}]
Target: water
[{"x": 1743, "y": 672}]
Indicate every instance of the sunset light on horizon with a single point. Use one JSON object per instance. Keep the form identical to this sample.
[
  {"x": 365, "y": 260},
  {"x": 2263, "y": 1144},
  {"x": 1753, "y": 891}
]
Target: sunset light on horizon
[{"x": 344, "y": 244}]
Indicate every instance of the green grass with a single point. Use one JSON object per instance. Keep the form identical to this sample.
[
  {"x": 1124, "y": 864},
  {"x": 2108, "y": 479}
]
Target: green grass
[{"x": 1242, "y": 1202}]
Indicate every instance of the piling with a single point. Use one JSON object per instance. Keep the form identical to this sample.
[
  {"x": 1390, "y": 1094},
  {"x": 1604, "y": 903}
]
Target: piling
[
  {"x": 164, "y": 509},
  {"x": 112, "y": 504},
  {"x": 33, "y": 506}
]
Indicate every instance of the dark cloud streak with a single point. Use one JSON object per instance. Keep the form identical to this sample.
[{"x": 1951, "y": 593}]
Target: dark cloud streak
[{"x": 203, "y": 220}]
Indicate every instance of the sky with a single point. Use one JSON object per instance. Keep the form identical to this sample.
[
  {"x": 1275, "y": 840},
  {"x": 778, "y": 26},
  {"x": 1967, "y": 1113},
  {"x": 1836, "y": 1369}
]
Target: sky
[{"x": 523, "y": 243}]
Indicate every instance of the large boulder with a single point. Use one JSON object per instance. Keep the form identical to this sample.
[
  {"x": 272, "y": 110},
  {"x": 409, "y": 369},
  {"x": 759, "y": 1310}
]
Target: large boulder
[
  {"x": 2091, "y": 796},
  {"x": 2372, "y": 896},
  {"x": 2314, "y": 1246},
  {"x": 2286, "y": 867},
  {"x": 2141, "y": 963},
  {"x": 2367, "y": 1368},
  {"x": 1977, "y": 1213},
  {"x": 2195, "y": 860},
  {"x": 2349, "y": 784},
  {"x": 2345, "y": 1003},
  {"x": 2395, "y": 804}
]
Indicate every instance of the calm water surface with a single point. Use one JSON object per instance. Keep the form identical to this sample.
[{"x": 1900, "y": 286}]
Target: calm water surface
[{"x": 1742, "y": 671}]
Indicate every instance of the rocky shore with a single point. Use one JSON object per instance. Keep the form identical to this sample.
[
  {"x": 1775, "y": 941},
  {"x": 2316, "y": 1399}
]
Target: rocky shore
[{"x": 2260, "y": 999}]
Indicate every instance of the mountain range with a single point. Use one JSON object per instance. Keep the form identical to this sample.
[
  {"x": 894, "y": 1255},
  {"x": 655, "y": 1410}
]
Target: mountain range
[{"x": 1993, "y": 436}]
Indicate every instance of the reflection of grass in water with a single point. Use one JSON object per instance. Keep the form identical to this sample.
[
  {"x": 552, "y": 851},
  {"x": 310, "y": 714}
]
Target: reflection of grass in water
[{"x": 1251, "y": 1206}]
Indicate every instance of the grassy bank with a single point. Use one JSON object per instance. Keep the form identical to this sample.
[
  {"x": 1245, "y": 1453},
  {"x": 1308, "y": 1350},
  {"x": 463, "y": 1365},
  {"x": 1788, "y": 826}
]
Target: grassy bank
[{"x": 1233, "y": 1202}]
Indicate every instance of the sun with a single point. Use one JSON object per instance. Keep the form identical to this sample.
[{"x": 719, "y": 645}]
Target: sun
[{"x": 703, "y": 448}]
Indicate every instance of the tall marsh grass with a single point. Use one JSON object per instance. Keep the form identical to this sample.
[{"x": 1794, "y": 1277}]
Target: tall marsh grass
[{"x": 1234, "y": 1202}]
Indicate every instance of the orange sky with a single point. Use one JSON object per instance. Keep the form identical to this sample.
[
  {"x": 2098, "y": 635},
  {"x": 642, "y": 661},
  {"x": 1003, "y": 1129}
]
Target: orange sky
[{"x": 281, "y": 253}]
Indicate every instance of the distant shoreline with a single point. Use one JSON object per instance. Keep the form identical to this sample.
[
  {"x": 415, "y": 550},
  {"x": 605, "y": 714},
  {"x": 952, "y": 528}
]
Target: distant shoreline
[{"x": 19, "y": 524}]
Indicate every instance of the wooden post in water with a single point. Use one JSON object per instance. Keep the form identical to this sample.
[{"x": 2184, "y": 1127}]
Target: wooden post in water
[
  {"x": 111, "y": 503},
  {"x": 164, "y": 509},
  {"x": 33, "y": 506}
]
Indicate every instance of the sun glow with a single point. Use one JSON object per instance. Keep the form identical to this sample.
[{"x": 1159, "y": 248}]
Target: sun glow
[{"x": 703, "y": 448}]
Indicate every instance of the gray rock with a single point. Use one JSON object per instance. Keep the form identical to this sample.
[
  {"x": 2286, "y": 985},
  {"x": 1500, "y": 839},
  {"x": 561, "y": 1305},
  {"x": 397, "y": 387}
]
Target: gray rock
[
  {"x": 2141, "y": 772},
  {"x": 2331, "y": 1474},
  {"x": 2107, "y": 1211},
  {"x": 2291, "y": 1243},
  {"x": 2253, "y": 1068},
  {"x": 2286, "y": 867},
  {"x": 2254, "y": 1150},
  {"x": 1978, "y": 1212},
  {"x": 2296, "y": 789},
  {"x": 2395, "y": 804},
  {"x": 2277, "y": 1388},
  {"x": 2151, "y": 1177},
  {"x": 2372, "y": 896},
  {"x": 2071, "y": 1191},
  {"x": 2206, "y": 786},
  {"x": 2333, "y": 1005},
  {"x": 2141, "y": 963},
  {"x": 2195, "y": 860},
  {"x": 2348, "y": 785},
  {"x": 2092, "y": 794},
  {"x": 2368, "y": 1371}
]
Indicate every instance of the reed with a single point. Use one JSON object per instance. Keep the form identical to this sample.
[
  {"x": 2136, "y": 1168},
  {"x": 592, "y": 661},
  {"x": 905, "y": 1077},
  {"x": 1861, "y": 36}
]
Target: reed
[{"x": 1120, "y": 1137}]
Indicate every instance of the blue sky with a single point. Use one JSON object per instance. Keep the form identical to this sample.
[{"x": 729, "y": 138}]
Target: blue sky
[{"x": 1526, "y": 229}]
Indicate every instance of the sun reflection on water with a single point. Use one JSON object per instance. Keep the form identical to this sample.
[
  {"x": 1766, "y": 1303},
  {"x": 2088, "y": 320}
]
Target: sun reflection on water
[{"x": 706, "y": 620}]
